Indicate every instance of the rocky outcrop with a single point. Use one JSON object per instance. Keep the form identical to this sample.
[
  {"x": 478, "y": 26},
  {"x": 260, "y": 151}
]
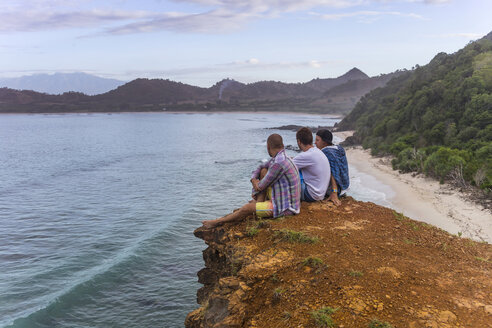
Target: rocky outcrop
[{"x": 361, "y": 261}]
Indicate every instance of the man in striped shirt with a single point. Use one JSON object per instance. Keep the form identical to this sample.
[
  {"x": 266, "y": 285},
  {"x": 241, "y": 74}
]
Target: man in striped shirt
[{"x": 276, "y": 188}]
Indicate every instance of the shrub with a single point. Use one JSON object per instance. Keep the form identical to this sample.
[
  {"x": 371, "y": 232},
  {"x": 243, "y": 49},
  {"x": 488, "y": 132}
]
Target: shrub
[
  {"x": 442, "y": 162},
  {"x": 312, "y": 262},
  {"x": 356, "y": 274},
  {"x": 379, "y": 324},
  {"x": 409, "y": 160},
  {"x": 322, "y": 317},
  {"x": 251, "y": 231},
  {"x": 295, "y": 236}
]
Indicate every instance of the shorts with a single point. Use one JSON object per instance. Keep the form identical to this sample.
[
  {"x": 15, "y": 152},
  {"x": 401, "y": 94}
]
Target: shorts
[{"x": 265, "y": 209}]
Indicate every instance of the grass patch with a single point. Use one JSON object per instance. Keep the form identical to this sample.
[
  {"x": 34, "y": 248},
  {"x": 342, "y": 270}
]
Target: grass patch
[
  {"x": 251, "y": 231},
  {"x": 482, "y": 259},
  {"x": 356, "y": 274},
  {"x": 375, "y": 323},
  {"x": 398, "y": 216},
  {"x": 295, "y": 236},
  {"x": 275, "y": 278},
  {"x": 322, "y": 317},
  {"x": 263, "y": 224},
  {"x": 409, "y": 242},
  {"x": 312, "y": 261},
  {"x": 254, "y": 227},
  {"x": 277, "y": 294}
]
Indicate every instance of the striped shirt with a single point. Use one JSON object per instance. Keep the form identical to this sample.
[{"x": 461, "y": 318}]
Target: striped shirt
[{"x": 284, "y": 179}]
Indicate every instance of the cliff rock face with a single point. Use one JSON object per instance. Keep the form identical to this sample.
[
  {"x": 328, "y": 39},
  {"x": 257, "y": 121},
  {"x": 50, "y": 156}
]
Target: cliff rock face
[{"x": 351, "y": 266}]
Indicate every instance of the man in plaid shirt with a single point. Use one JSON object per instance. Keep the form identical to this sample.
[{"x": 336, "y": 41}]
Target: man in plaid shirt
[{"x": 276, "y": 188}]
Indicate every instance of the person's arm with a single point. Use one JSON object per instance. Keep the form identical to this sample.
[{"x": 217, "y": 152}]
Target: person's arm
[
  {"x": 334, "y": 192},
  {"x": 272, "y": 175},
  {"x": 302, "y": 161},
  {"x": 256, "y": 173}
]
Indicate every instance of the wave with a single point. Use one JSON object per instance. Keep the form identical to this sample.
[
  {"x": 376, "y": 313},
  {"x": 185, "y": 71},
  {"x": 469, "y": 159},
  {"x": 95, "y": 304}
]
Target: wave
[
  {"x": 89, "y": 281},
  {"x": 235, "y": 161}
]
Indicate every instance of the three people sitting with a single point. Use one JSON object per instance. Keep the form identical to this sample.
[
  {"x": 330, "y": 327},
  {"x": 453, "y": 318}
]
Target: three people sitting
[{"x": 280, "y": 184}]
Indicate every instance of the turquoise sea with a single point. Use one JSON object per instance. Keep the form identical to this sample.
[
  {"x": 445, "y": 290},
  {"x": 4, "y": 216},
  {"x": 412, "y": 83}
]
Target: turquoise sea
[{"x": 97, "y": 210}]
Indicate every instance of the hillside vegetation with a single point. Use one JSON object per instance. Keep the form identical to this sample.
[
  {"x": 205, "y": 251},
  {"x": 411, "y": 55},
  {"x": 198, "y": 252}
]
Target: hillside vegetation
[{"x": 435, "y": 119}]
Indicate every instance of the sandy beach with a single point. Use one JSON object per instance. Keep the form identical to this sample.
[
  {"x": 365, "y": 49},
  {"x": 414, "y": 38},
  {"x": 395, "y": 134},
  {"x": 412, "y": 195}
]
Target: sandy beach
[{"x": 422, "y": 198}]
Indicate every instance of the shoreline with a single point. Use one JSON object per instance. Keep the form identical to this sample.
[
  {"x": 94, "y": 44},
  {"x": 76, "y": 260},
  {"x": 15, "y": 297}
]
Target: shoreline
[
  {"x": 183, "y": 112},
  {"x": 422, "y": 198}
]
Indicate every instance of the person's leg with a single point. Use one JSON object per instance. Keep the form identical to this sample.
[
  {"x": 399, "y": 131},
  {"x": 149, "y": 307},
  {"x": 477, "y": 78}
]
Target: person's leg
[
  {"x": 261, "y": 197},
  {"x": 240, "y": 214}
]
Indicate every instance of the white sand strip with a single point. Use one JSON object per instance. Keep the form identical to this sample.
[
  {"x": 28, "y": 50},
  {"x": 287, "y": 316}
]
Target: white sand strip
[{"x": 420, "y": 198}]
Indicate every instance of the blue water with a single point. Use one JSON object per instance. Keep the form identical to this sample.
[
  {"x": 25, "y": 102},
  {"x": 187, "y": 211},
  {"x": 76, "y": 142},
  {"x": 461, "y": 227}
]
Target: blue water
[{"x": 97, "y": 211}]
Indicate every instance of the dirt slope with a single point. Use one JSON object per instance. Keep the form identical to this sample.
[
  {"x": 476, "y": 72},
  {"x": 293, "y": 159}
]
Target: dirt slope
[{"x": 364, "y": 261}]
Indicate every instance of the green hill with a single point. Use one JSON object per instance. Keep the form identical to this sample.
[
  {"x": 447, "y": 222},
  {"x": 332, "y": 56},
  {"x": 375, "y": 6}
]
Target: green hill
[{"x": 435, "y": 119}]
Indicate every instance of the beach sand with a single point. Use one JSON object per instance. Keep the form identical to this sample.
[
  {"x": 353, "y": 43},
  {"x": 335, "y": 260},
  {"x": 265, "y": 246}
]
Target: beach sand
[{"x": 422, "y": 198}]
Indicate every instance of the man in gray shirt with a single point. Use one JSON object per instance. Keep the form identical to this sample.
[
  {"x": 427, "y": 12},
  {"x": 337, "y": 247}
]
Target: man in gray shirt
[{"x": 314, "y": 167}]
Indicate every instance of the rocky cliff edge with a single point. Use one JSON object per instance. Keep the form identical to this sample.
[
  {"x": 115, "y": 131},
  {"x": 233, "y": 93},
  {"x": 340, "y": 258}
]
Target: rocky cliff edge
[{"x": 357, "y": 265}]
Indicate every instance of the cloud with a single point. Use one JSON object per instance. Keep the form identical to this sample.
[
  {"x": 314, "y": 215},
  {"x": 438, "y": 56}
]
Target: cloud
[
  {"x": 366, "y": 15},
  {"x": 209, "y": 16},
  {"x": 432, "y": 2},
  {"x": 34, "y": 21},
  {"x": 265, "y": 6},
  {"x": 227, "y": 15},
  {"x": 252, "y": 64},
  {"x": 221, "y": 15},
  {"x": 216, "y": 21}
]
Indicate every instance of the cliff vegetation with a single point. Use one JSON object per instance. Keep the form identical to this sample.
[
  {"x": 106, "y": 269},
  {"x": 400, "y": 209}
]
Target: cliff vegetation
[{"x": 435, "y": 119}]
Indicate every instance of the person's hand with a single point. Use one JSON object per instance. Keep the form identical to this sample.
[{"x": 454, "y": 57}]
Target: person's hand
[
  {"x": 255, "y": 183},
  {"x": 334, "y": 199}
]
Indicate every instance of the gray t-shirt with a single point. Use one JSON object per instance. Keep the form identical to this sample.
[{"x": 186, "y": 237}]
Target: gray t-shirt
[{"x": 316, "y": 171}]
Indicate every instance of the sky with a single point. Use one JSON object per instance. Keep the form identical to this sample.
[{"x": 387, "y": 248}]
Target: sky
[{"x": 201, "y": 42}]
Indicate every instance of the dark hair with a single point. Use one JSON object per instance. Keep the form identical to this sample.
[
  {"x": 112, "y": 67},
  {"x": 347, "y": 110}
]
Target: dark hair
[
  {"x": 305, "y": 136},
  {"x": 275, "y": 141},
  {"x": 326, "y": 136}
]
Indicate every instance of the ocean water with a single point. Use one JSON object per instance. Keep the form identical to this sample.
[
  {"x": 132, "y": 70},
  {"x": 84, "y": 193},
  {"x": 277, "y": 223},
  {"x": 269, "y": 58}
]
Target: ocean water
[{"x": 97, "y": 210}]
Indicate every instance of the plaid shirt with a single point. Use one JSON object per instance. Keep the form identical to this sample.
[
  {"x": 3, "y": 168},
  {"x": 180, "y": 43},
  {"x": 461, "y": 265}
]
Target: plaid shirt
[
  {"x": 339, "y": 166},
  {"x": 283, "y": 177}
]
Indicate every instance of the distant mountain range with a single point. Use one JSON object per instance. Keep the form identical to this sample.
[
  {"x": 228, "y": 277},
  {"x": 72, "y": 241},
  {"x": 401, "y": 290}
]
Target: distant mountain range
[
  {"x": 332, "y": 95},
  {"x": 59, "y": 83}
]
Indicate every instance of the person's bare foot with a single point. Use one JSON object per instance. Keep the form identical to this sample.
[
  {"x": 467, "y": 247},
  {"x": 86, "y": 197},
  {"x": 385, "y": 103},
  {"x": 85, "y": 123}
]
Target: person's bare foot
[{"x": 210, "y": 224}]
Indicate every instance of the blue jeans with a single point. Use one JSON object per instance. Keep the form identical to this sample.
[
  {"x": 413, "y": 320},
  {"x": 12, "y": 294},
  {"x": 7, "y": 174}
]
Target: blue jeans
[{"x": 305, "y": 196}]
